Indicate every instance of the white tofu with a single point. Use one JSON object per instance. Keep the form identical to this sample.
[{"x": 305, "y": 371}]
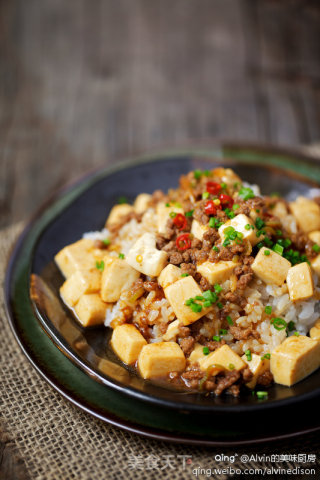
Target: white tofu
[
  {"x": 178, "y": 293},
  {"x": 257, "y": 366},
  {"x": 169, "y": 275},
  {"x": 280, "y": 210},
  {"x": 78, "y": 284},
  {"x": 159, "y": 359},
  {"x": 239, "y": 223},
  {"x": 315, "y": 264},
  {"x": 306, "y": 213},
  {"x": 216, "y": 272},
  {"x": 272, "y": 268},
  {"x": 197, "y": 229},
  {"x": 294, "y": 359},
  {"x": 117, "y": 276},
  {"x": 127, "y": 342},
  {"x": 196, "y": 354},
  {"x": 172, "y": 331},
  {"x": 227, "y": 175},
  {"x": 77, "y": 256},
  {"x": 141, "y": 203},
  {"x": 300, "y": 282},
  {"x": 223, "y": 358},
  {"x": 163, "y": 215},
  {"x": 315, "y": 331},
  {"x": 315, "y": 236},
  {"x": 117, "y": 212},
  {"x": 144, "y": 256},
  {"x": 91, "y": 310}
]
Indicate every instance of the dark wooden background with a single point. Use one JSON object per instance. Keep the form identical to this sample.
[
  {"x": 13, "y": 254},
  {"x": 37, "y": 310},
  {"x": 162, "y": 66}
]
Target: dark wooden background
[{"x": 86, "y": 82}]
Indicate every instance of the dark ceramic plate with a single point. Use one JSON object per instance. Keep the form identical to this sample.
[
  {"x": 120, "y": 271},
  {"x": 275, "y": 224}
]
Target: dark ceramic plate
[{"x": 102, "y": 384}]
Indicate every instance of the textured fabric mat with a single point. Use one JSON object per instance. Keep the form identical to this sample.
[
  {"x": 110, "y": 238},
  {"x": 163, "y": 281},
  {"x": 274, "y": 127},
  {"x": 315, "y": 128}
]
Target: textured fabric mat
[{"x": 55, "y": 440}]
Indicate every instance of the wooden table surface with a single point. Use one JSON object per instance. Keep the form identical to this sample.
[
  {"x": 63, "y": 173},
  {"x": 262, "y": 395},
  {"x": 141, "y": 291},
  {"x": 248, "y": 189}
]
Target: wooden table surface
[{"x": 86, "y": 82}]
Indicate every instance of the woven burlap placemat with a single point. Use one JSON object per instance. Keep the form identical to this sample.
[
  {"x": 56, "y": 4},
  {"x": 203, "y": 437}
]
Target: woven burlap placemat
[{"x": 52, "y": 439}]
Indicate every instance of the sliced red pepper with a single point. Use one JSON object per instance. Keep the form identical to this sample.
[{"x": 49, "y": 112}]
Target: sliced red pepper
[
  {"x": 226, "y": 201},
  {"x": 210, "y": 208},
  {"x": 214, "y": 188},
  {"x": 183, "y": 241},
  {"x": 180, "y": 221}
]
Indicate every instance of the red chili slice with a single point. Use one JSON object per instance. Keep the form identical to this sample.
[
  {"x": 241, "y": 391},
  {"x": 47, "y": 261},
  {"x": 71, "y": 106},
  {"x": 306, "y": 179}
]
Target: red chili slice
[
  {"x": 210, "y": 208},
  {"x": 214, "y": 188},
  {"x": 180, "y": 221},
  {"x": 183, "y": 241},
  {"x": 226, "y": 201}
]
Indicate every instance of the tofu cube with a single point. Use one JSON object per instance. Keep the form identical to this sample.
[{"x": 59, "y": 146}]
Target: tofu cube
[
  {"x": 77, "y": 256},
  {"x": 226, "y": 175},
  {"x": 127, "y": 342},
  {"x": 117, "y": 212},
  {"x": 315, "y": 331},
  {"x": 178, "y": 293},
  {"x": 117, "y": 276},
  {"x": 294, "y": 359},
  {"x": 315, "y": 264},
  {"x": 163, "y": 214},
  {"x": 141, "y": 203},
  {"x": 196, "y": 354},
  {"x": 78, "y": 284},
  {"x": 144, "y": 256},
  {"x": 280, "y": 210},
  {"x": 272, "y": 268},
  {"x": 91, "y": 310},
  {"x": 306, "y": 213},
  {"x": 197, "y": 229},
  {"x": 257, "y": 366},
  {"x": 216, "y": 272},
  {"x": 172, "y": 331},
  {"x": 224, "y": 358},
  {"x": 300, "y": 282},
  {"x": 315, "y": 236},
  {"x": 239, "y": 223},
  {"x": 169, "y": 275},
  {"x": 159, "y": 359}
]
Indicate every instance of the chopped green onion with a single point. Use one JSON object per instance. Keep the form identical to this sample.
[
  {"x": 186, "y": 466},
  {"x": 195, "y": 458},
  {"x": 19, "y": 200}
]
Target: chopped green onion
[
  {"x": 259, "y": 223},
  {"x": 246, "y": 193},
  {"x": 100, "y": 265},
  {"x": 268, "y": 309},
  {"x": 235, "y": 206},
  {"x": 207, "y": 304},
  {"x": 278, "y": 249},
  {"x": 167, "y": 204},
  {"x": 316, "y": 248},
  {"x": 210, "y": 296},
  {"x": 297, "y": 334},
  {"x": 122, "y": 200},
  {"x": 216, "y": 249},
  {"x": 266, "y": 356},
  {"x": 197, "y": 174},
  {"x": 199, "y": 297},
  {"x": 216, "y": 338},
  {"x": 223, "y": 185},
  {"x": 195, "y": 307},
  {"x": 262, "y": 395},
  {"x": 184, "y": 274},
  {"x": 106, "y": 241},
  {"x": 205, "y": 195},
  {"x": 279, "y": 233},
  {"x": 231, "y": 366},
  {"x": 217, "y": 288},
  {"x": 206, "y": 173},
  {"x": 219, "y": 305},
  {"x": 248, "y": 355},
  {"x": 248, "y": 226},
  {"x": 121, "y": 255},
  {"x": 189, "y": 214},
  {"x": 189, "y": 302},
  {"x": 279, "y": 323},
  {"x": 267, "y": 253},
  {"x": 229, "y": 320},
  {"x": 291, "y": 326},
  {"x": 215, "y": 222},
  {"x": 223, "y": 332},
  {"x": 172, "y": 214},
  {"x": 206, "y": 350}
]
